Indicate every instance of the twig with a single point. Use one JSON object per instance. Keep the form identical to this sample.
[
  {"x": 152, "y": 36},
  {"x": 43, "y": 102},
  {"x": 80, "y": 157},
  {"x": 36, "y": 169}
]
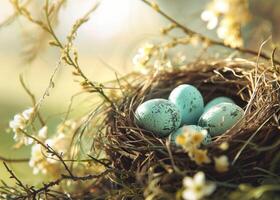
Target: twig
[
  {"x": 13, "y": 16},
  {"x": 13, "y": 176},
  {"x": 8, "y": 160},
  {"x": 49, "y": 150},
  {"x": 100, "y": 162},
  {"x": 33, "y": 99},
  {"x": 59, "y": 156},
  {"x": 47, "y": 186},
  {"x": 201, "y": 36},
  {"x": 50, "y": 85}
]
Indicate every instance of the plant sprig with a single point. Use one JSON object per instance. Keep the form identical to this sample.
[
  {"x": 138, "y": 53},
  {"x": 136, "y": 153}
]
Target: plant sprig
[
  {"x": 66, "y": 48},
  {"x": 203, "y": 38},
  {"x": 67, "y": 56}
]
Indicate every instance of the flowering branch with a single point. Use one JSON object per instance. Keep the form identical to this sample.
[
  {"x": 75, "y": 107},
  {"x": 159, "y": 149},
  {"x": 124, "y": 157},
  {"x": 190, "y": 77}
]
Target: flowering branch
[
  {"x": 206, "y": 39},
  {"x": 49, "y": 150},
  {"x": 66, "y": 48},
  {"x": 30, "y": 192}
]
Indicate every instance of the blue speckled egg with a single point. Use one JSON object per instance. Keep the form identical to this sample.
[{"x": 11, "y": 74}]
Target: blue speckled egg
[
  {"x": 221, "y": 117},
  {"x": 189, "y": 101},
  {"x": 159, "y": 116},
  {"x": 193, "y": 129},
  {"x": 216, "y": 101}
]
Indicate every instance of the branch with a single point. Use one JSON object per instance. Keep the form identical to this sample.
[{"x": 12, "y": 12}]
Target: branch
[
  {"x": 66, "y": 49},
  {"x": 10, "y": 19},
  {"x": 201, "y": 36},
  {"x": 47, "y": 186},
  {"x": 32, "y": 97},
  {"x": 8, "y": 160},
  {"x": 18, "y": 182},
  {"x": 49, "y": 150},
  {"x": 67, "y": 57}
]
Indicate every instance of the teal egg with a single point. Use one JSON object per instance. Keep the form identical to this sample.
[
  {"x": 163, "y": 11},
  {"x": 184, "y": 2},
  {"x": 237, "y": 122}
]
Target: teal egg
[
  {"x": 193, "y": 129},
  {"x": 216, "y": 101},
  {"x": 189, "y": 101},
  {"x": 221, "y": 117},
  {"x": 159, "y": 116}
]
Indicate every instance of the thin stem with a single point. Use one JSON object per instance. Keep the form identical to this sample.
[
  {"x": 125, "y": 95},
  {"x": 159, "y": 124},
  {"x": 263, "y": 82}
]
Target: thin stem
[
  {"x": 33, "y": 99},
  {"x": 8, "y": 160},
  {"x": 69, "y": 58}
]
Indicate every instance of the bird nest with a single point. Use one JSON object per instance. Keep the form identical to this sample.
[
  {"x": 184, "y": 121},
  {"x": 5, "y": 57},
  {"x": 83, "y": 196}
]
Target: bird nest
[{"x": 253, "y": 143}]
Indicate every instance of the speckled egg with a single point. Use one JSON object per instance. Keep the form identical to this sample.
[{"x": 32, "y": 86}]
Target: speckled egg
[
  {"x": 193, "y": 129},
  {"x": 221, "y": 117},
  {"x": 159, "y": 116},
  {"x": 189, "y": 101},
  {"x": 216, "y": 101}
]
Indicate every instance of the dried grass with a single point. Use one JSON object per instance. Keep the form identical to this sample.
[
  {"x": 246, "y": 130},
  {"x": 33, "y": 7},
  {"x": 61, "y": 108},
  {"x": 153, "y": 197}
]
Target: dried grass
[{"x": 253, "y": 143}]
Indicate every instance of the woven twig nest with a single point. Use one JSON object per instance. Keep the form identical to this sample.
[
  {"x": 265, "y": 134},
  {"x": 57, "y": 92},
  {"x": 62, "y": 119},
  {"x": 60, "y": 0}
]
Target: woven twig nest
[{"x": 253, "y": 143}]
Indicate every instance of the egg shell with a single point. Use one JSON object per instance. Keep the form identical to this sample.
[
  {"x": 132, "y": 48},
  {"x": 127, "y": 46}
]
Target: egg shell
[
  {"x": 159, "y": 116},
  {"x": 189, "y": 101},
  {"x": 216, "y": 101},
  {"x": 194, "y": 129},
  {"x": 221, "y": 117}
]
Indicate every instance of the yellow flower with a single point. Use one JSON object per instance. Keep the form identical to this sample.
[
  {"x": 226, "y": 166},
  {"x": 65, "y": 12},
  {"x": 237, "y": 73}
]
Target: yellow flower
[
  {"x": 221, "y": 163},
  {"x": 181, "y": 139},
  {"x": 200, "y": 156},
  {"x": 190, "y": 140},
  {"x": 197, "y": 138},
  {"x": 191, "y": 137},
  {"x": 224, "y": 146}
]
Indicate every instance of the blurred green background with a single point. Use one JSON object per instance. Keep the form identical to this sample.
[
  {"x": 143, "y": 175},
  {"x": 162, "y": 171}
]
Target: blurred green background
[{"x": 108, "y": 40}]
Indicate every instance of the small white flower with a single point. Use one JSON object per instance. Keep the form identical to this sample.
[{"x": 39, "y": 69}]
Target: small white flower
[
  {"x": 207, "y": 15},
  {"x": 196, "y": 188},
  {"x": 38, "y": 161},
  {"x": 36, "y": 170},
  {"x": 13, "y": 125},
  {"x": 139, "y": 59},
  {"x": 221, "y": 6},
  {"x": 28, "y": 113},
  {"x": 221, "y": 163},
  {"x": 22, "y": 139},
  {"x": 18, "y": 118},
  {"x": 222, "y": 32},
  {"x": 19, "y": 124},
  {"x": 211, "y": 18},
  {"x": 43, "y": 132},
  {"x": 212, "y": 23},
  {"x": 146, "y": 49}
]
